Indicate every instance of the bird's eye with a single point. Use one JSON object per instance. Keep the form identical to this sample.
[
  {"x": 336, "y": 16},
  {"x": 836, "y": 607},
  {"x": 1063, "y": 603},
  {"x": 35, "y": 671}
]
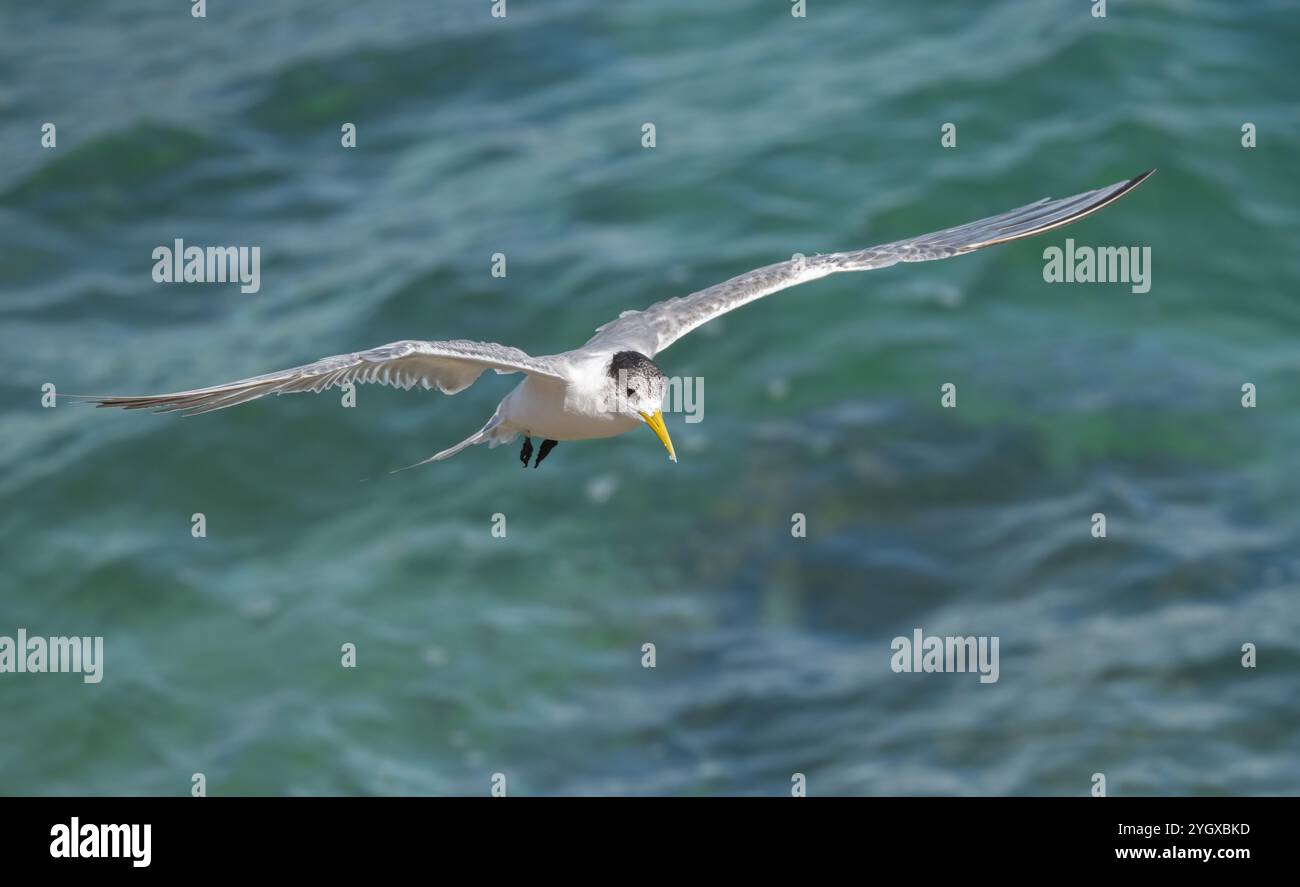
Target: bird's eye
[{"x": 630, "y": 392}]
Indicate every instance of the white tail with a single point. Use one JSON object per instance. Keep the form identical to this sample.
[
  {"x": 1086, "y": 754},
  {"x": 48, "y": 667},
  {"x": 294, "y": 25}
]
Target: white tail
[{"x": 493, "y": 433}]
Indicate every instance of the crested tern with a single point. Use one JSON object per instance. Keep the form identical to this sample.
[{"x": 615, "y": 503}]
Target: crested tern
[{"x": 611, "y": 384}]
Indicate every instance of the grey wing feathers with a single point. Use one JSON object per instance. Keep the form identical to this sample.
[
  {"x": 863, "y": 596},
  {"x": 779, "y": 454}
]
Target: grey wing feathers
[
  {"x": 450, "y": 367},
  {"x": 1026, "y": 221},
  {"x": 662, "y": 324}
]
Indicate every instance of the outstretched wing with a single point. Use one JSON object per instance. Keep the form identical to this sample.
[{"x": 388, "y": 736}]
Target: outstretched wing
[
  {"x": 448, "y": 366},
  {"x": 654, "y": 329}
]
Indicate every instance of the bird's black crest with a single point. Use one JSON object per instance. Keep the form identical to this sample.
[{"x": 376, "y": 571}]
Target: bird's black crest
[{"x": 634, "y": 363}]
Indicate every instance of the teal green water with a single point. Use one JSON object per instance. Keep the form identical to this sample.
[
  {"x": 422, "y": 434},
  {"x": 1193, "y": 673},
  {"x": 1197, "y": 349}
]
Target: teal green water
[{"x": 478, "y": 655}]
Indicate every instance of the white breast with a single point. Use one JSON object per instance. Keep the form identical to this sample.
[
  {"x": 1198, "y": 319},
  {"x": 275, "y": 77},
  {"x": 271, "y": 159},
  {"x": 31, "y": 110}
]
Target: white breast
[{"x": 558, "y": 411}]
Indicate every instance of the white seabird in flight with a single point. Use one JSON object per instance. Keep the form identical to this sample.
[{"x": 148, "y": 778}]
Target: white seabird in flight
[{"x": 610, "y": 385}]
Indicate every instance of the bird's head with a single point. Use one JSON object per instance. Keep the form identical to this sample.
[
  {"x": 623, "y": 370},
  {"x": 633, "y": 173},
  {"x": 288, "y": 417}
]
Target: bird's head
[{"x": 638, "y": 388}]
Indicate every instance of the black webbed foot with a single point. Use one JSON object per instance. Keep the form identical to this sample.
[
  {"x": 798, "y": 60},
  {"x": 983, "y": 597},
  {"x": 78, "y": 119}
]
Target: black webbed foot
[
  {"x": 527, "y": 452},
  {"x": 547, "y": 446}
]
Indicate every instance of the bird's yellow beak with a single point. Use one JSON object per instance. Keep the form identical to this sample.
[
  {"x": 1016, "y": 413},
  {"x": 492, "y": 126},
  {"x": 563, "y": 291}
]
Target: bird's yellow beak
[{"x": 656, "y": 423}]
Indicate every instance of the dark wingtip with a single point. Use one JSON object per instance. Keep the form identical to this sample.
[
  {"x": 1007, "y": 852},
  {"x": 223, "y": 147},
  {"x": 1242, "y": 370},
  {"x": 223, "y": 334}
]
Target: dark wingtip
[
  {"x": 1127, "y": 187},
  {"x": 1137, "y": 180}
]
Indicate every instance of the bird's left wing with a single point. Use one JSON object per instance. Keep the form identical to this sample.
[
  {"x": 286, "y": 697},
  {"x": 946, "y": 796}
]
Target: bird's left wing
[
  {"x": 450, "y": 366},
  {"x": 654, "y": 329}
]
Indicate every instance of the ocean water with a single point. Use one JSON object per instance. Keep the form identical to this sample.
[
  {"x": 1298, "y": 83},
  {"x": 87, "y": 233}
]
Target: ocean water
[{"x": 522, "y": 655}]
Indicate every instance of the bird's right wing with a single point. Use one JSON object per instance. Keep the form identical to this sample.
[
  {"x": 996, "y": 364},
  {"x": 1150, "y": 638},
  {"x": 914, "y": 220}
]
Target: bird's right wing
[
  {"x": 654, "y": 329},
  {"x": 450, "y": 367}
]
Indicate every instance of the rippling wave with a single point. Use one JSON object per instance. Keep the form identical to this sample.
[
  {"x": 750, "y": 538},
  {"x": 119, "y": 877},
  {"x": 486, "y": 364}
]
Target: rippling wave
[{"x": 523, "y": 655}]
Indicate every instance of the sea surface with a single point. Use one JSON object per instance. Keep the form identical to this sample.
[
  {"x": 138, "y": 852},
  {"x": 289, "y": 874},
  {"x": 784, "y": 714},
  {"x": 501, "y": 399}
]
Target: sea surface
[{"x": 524, "y": 655}]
